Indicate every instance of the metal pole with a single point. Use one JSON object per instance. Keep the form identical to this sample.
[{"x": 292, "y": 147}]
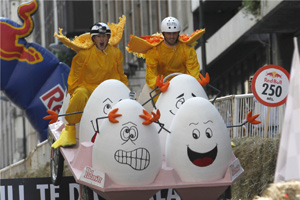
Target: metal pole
[
  {"x": 202, "y": 39},
  {"x": 24, "y": 136},
  {"x": 269, "y": 61},
  {"x": 55, "y": 19}
]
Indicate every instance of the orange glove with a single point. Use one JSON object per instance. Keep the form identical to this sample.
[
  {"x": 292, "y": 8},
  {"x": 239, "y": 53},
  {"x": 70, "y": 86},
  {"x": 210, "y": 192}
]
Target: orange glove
[
  {"x": 251, "y": 119},
  {"x": 204, "y": 80},
  {"x": 148, "y": 118},
  {"x": 160, "y": 83},
  {"x": 53, "y": 116},
  {"x": 112, "y": 115}
]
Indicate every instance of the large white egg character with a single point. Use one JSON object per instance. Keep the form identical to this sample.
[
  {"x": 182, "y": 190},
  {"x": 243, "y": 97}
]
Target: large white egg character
[
  {"x": 102, "y": 99},
  {"x": 128, "y": 151},
  {"x": 199, "y": 147},
  {"x": 182, "y": 87}
]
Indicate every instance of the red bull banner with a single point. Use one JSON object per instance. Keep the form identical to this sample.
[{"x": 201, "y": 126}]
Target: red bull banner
[{"x": 31, "y": 76}]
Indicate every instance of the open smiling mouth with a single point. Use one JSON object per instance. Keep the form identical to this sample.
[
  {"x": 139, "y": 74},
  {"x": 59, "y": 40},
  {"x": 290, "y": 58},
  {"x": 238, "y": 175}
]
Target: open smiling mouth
[
  {"x": 137, "y": 159},
  {"x": 202, "y": 159}
]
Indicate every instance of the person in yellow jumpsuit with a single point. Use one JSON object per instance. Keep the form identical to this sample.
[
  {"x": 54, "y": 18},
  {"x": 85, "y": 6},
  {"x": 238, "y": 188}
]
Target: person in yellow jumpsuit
[
  {"x": 171, "y": 55},
  {"x": 89, "y": 68}
]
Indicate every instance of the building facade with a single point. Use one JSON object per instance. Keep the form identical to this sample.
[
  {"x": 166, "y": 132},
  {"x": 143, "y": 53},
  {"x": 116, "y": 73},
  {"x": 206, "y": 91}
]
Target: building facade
[{"x": 243, "y": 36}]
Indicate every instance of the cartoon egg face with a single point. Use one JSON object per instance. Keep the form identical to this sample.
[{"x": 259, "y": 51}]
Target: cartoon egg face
[
  {"x": 128, "y": 151},
  {"x": 100, "y": 103},
  {"x": 182, "y": 88},
  {"x": 199, "y": 147}
]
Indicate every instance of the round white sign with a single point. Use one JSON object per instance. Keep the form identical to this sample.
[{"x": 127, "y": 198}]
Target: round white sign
[{"x": 270, "y": 85}]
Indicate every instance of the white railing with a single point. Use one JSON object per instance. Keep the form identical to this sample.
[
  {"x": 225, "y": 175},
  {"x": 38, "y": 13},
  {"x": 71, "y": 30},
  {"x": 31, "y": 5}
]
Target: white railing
[{"x": 234, "y": 109}]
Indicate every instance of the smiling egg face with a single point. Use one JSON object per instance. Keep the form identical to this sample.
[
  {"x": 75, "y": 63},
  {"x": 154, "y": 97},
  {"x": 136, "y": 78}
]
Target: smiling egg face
[
  {"x": 128, "y": 151},
  {"x": 102, "y": 99},
  {"x": 182, "y": 88},
  {"x": 199, "y": 146}
]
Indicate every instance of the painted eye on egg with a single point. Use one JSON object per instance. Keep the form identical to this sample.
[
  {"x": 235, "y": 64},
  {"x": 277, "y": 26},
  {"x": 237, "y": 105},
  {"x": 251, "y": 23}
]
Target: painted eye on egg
[
  {"x": 208, "y": 133},
  {"x": 179, "y": 103},
  {"x": 129, "y": 133},
  {"x": 107, "y": 108},
  {"x": 196, "y": 134}
]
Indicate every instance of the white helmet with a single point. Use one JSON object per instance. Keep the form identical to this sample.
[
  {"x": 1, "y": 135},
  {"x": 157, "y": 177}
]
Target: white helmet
[
  {"x": 100, "y": 28},
  {"x": 170, "y": 24}
]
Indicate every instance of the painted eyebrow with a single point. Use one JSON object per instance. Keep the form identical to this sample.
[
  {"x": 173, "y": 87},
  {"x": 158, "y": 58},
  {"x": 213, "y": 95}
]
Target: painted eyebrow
[
  {"x": 129, "y": 123},
  {"x": 107, "y": 99},
  {"x": 193, "y": 95},
  {"x": 208, "y": 122},
  {"x": 180, "y": 96},
  {"x": 193, "y": 123}
]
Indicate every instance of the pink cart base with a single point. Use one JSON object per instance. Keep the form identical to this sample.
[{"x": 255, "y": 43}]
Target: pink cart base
[{"x": 167, "y": 177}]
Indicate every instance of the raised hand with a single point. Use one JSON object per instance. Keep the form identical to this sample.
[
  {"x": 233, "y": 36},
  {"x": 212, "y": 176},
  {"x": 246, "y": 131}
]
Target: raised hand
[
  {"x": 163, "y": 86},
  {"x": 251, "y": 119},
  {"x": 204, "y": 80},
  {"x": 148, "y": 118}
]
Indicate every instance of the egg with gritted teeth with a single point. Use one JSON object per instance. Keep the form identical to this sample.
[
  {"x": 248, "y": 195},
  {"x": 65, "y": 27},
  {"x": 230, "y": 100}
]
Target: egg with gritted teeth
[
  {"x": 100, "y": 103},
  {"x": 127, "y": 150},
  {"x": 199, "y": 146},
  {"x": 181, "y": 88}
]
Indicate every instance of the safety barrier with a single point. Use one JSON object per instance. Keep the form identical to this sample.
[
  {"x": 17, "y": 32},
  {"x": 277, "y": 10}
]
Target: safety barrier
[{"x": 234, "y": 109}]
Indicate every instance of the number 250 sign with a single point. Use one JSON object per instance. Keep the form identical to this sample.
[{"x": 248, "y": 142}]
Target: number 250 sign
[{"x": 270, "y": 85}]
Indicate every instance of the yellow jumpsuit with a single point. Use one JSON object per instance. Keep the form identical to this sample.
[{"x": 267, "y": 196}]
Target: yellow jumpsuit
[
  {"x": 165, "y": 60},
  {"x": 90, "y": 68}
]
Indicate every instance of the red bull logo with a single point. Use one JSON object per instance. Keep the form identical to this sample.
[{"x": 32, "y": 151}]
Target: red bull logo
[
  {"x": 274, "y": 77},
  {"x": 53, "y": 98},
  {"x": 31, "y": 76},
  {"x": 10, "y": 47}
]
